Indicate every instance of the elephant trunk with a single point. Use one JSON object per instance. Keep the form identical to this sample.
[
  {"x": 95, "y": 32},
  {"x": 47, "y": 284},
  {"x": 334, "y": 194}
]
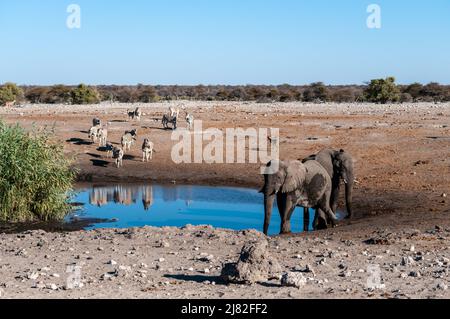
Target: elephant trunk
[
  {"x": 348, "y": 195},
  {"x": 268, "y": 206}
]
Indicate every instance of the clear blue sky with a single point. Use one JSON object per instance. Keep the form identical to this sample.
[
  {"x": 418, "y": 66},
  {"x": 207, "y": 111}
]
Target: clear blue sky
[{"x": 223, "y": 42}]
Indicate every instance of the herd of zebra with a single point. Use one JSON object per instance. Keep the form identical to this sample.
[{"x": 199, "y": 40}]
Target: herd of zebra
[{"x": 99, "y": 134}]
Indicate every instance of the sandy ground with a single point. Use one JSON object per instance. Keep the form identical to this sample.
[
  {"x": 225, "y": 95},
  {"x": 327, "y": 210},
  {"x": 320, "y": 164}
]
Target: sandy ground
[{"x": 402, "y": 167}]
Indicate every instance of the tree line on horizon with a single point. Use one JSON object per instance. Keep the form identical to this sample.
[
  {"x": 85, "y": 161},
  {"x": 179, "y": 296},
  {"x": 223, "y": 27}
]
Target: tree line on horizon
[{"x": 376, "y": 91}]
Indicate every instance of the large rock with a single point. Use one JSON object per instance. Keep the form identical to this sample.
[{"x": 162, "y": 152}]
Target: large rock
[{"x": 255, "y": 264}]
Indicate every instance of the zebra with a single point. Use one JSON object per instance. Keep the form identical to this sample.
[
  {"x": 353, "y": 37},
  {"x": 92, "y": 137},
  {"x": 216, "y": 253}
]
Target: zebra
[
  {"x": 127, "y": 140},
  {"x": 102, "y": 134},
  {"x": 96, "y": 122},
  {"x": 174, "y": 111},
  {"x": 136, "y": 114},
  {"x": 147, "y": 150},
  {"x": 167, "y": 118},
  {"x": 93, "y": 133},
  {"x": 109, "y": 148},
  {"x": 190, "y": 120},
  {"x": 118, "y": 156}
]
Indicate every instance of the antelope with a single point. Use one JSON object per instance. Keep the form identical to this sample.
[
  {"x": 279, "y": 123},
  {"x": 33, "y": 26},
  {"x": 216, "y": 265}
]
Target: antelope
[
  {"x": 10, "y": 103},
  {"x": 147, "y": 150}
]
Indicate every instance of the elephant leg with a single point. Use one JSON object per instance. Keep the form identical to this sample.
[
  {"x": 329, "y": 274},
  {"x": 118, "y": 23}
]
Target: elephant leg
[
  {"x": 286, "y": 214},
  {"x": 335, "y": 189},
  {"x": 331, "y": 216},
  {"x": 305, "y": 219},
  {"x": 320, "y": 220}
]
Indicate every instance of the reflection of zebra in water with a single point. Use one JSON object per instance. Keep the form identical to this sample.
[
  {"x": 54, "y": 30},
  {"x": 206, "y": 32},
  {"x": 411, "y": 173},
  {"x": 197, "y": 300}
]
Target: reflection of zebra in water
[
  {"x": 147, "y": 197},
  {"x": 124, "y": 195},
  {"x": 98, "y": 196}
]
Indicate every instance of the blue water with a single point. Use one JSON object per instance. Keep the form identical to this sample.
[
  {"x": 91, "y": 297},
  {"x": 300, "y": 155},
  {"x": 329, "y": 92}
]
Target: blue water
[{"x": 170, "y": 205}]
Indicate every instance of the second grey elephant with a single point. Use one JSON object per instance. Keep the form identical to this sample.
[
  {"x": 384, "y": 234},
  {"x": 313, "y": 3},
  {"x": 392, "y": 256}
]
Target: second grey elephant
[
  {"x": 295, "y": 184},
  {"x": 339, "y": 165}
]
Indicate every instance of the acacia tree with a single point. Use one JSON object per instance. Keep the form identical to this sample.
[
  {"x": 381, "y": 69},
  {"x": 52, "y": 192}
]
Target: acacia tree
[
  {"x": 382, "y": 91},
  {"x": 10, "y": 92},
  {"x": 84, "y": 94}
]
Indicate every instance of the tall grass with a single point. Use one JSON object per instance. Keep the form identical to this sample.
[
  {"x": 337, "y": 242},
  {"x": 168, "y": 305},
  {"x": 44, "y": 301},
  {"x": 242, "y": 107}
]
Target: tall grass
[{"x": 35, "y": 176}]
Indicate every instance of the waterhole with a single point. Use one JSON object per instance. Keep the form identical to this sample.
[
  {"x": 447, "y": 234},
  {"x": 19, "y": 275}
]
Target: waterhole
[{"x": 124, "y": 206}]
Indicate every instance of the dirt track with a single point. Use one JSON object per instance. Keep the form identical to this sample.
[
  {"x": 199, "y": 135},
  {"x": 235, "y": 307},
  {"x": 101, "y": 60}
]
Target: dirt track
[{"x": 402, "y": 155}]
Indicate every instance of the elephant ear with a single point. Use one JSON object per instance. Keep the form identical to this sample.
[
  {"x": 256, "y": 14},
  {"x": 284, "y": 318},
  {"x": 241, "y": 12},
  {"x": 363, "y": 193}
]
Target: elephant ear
[{"x": 295, "y": 176}]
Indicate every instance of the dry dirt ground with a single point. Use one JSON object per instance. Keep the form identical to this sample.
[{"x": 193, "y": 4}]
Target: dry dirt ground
[{"x": 401, "y": 224}]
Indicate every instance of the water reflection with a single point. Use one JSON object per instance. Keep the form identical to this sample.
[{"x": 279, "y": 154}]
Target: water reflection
[{"x": 174, "y": 205}]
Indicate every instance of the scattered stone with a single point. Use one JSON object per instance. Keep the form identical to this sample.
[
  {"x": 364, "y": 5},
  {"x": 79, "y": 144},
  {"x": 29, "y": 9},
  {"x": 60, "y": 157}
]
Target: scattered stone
[
  {"x": 293, "y": 279},
  {"x": 112, "y": 262},
  {"x": 441, "y": 286},
  {"x": 52, "y": 287},
  {"x": 406, "y": 261},
  {"x": 33, "y": 276}
]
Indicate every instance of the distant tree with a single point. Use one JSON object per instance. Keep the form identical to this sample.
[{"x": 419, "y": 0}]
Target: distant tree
[
  {"x": 57, "y": 94},
  {"x": 406, "y": 98},
  {"x": 382, "y": 91},
  {"x": 10, "y": 92},
  {"x": 84, "y": 94},
  {"x": 147, "y": 94},
  {"x": 343, "y": 95},
  {"x": 222, "y": 95},
  {"x": 414, "y": 90},
  {"x": 316, "y": 92},
  {"x": 255, "y": 93},
  {"x": 238, "y": 94},
  {"x": 36, "y": 94},
  {"x": 434, "y": 91}
]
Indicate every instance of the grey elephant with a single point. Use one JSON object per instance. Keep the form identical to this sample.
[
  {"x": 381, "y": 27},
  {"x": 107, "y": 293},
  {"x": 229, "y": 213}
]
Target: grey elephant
[
  {"x": 339, "y": 166},
  {"x": 294, "y": 184}
]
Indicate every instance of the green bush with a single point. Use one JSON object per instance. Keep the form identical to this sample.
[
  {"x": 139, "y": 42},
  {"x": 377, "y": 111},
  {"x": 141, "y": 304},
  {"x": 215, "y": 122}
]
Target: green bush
[
  {"x": 35, "y": 176},
  {"x": 10, "y": 92},
  {"x": 84, "y": 94},
  {"x": 383, "y": 91}
]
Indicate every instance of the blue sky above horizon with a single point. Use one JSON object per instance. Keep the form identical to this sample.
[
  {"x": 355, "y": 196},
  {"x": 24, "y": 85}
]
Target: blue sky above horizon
[{"x": 189, "y": 42}]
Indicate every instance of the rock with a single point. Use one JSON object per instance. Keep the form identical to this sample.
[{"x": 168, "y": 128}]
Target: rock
[
  {"x": 161, "y": 260},
  {"x": 52, "y": 287},
  {"x": 441, "y": 286},
  {"x": 33, "y": 276},
  {"x": 112, "y": 262},
  {"x": 406, "y": 261},
  {"x": 415, "y": 274},
  {"x": 255, "y": 264},
  {"x": 293, "y": 279}
]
